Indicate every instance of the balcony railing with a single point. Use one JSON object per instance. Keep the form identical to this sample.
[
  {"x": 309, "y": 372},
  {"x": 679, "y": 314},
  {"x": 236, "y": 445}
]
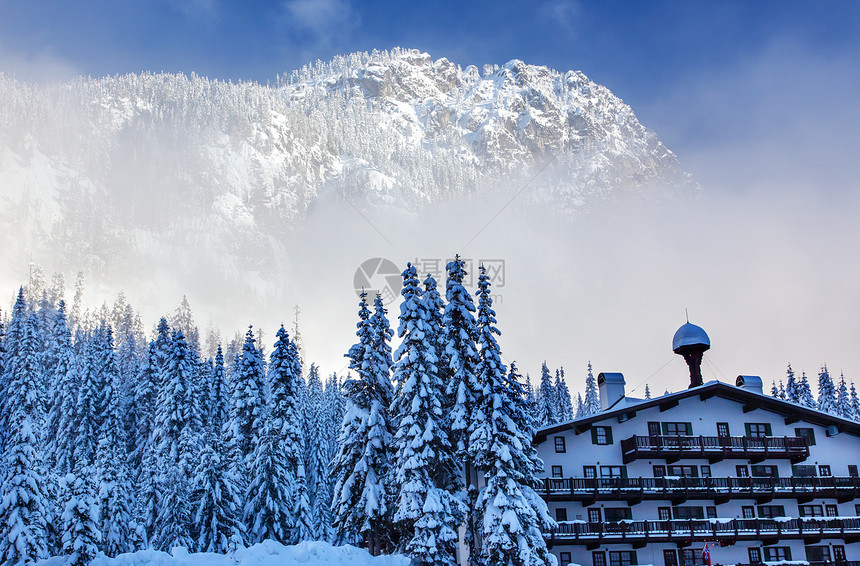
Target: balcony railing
[
  {"x": 682, "y": 488},
  {"x": 688, "y": 531},
  {"x": 714, "y": 448}
]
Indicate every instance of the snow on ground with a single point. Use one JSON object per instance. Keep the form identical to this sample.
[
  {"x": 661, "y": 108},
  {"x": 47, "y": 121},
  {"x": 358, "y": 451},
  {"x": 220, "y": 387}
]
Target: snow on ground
[{"x": 267, "y": 553}]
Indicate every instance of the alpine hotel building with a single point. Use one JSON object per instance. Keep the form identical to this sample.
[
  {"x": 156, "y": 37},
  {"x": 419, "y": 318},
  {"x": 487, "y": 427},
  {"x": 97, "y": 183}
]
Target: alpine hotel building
[{"x": 754, "y": 478}]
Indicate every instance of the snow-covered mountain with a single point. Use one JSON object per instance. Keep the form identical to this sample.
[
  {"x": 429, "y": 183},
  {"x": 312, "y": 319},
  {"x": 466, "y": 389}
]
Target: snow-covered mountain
[{"x": 112, "y": 171}]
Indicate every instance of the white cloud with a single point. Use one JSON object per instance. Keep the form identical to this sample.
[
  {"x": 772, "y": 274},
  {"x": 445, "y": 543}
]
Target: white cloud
[
  {"x": 43, "y": 66},
  {"x": 323, "y": 18},
  {"x": 563, "y": 13}
]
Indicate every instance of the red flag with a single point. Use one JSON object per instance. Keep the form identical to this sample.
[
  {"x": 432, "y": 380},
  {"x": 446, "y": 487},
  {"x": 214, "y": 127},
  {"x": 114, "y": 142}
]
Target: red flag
[{"x": 706, "y": 555}]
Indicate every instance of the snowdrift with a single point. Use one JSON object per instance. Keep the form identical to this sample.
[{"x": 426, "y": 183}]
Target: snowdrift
[{"x": 267, "y": 553}]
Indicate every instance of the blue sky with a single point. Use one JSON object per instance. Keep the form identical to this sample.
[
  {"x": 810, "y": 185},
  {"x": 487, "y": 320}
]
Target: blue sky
[{"x": 758, "y": 99}]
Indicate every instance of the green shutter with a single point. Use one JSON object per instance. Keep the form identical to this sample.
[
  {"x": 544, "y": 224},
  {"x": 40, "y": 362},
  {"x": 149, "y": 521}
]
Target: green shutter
[
  {"x": 608, "y": 435},
  {"x": 689, "y": 429},
  {"x": 594, "y": 435}
]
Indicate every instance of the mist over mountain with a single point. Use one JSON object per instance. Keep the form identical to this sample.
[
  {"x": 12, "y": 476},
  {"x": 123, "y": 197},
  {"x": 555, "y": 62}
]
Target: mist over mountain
[{"x": 125, "y": 175}]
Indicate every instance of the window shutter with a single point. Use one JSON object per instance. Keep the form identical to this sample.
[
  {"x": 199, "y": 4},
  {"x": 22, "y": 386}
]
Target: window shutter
[
  {"x": 594, "y": 435},
  {"x": 609, "y": 435}
]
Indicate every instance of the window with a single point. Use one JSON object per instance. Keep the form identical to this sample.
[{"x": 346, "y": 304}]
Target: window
[
  {"x": 722, "y": 429},
  {"x": 755, "y": 555},
  {"x": 803, "y": 471},
  {"x": 589, "y": 471},
  {"x": 857, "y": 509},
  {"x": 601, "y": 435},
  {"x": 594, "y": 515},
  {"x": 807, "y": 433},
  {"x": 811, "y": 511},
  {"x": 622, "y": 558},
  {"x": 765, "y": 471},
  {"x": 559, "y": 444},
  {"x": 824, "y": 471},
  {"x": 742, "y": 471},
  {"x": 677, "y": 429},
  {"x": 561, "y": 514},
  {"x": 557, "y": 472},
  {"x": 818, "y": 553},
  {"x": 653, "y": 429},
  {"x": 688, "y": 512},
  {"x": 748, "y": 512},
  {"x": 670, "y": 557},
  {"x": 711, "y": 511},
  {"x": 852, "y": 470},
  {"x": 831, "y": 510},
  {"x": 686, "y": 471},
  {"x": 692, "y": 557},
  {"x": 757, "y": 430},
  {"x": 617, "y": 513},
  {"x": 564, "y": 558},
  {"x": 598, "y": 558},
  {"x": 771, "y": 511},
  {"x": 664, "y": 513},
  {"x": 613, "y": 471},
  {"x": 659, "y": 471},
  {"x": 706, "y": 471},
  {"x": 777, "y": 553}
]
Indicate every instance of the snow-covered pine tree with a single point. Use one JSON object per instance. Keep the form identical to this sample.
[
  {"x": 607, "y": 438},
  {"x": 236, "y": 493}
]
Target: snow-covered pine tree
[
  {"x": 530, "y": 392},
  {"x": 59, "y": 425},
  {"x": 548, "y": 402},
  {"x": 23, "y": 534},
  {"x": 647, "y": 392},
  {"x": 774, "y": 390},
  {"x": 303, "y": 523},
  {"x": 855, "y": 403},
  {"x": 216, "y": 501},
  {"x": 219, "y": 395},
  {"x": 363, "y": 463},
  {"x": 792, "y": 387},
  {"x": 267, "y": 508},
  {"x": 285, "y": 384},
  {"x": 427, "y": 516},
  {"x": 317, "y": 454},
  {"x": 843, "y": 399},
  {"x": 512, "y": 514},
  {"x": 81, "y": 536},
  {"x": 463, "y": 388},
  {"x": 806, "y": 398},
  {"x": 115, "y": 493},
  {"x": 177, "y": 445},
  {"x": 248, "y": 407},
  {"x": 592, "y": 399},
  {"x": 580, "y": 406},
  {"x": 782, "y": 391},
  {"x": 826, "y": 392},
  {"x": 564, "y": 404}
]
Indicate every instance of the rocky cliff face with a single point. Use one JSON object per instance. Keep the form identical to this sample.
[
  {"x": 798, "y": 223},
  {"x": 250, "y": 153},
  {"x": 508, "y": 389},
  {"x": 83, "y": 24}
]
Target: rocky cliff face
[{"x": 112, "y": 170}]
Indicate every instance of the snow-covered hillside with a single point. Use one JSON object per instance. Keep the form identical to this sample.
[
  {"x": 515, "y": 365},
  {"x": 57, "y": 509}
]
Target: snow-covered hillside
[
  {"x": 268, "y": 553},
  {"x": 112, "y": 172}
]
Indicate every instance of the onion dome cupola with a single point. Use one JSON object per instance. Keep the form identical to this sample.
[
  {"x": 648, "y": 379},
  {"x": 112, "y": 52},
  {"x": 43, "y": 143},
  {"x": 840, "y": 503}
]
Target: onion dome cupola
[{"x": 691, "y": 342}]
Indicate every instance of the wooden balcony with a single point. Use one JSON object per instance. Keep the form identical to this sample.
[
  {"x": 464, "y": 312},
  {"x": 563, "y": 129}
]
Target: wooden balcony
[
  {"x": 714, "y": 448},
  {"x": 685, "y": 532},
  {"x": 680, "y": 489}
]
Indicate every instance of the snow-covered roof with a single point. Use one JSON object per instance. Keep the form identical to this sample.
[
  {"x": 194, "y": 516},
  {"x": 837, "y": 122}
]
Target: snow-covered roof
[
  {"x": 744, "y": 395},
  {"x": 690, "y": 335}
]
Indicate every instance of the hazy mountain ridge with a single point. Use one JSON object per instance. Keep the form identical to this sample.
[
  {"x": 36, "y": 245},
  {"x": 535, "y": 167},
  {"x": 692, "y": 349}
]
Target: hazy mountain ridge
[{"x": 143, "y": 166}]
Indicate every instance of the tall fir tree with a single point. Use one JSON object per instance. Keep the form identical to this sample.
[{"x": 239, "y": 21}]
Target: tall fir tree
[
  {"x": 23, "y": 530},
  {"x": 59, "y": 426},
  {"x": 855, "y": 403},
  {"x": 81, "y": 537},
  {"x": 248, "y": 404},
  {"x": 843, "y": 399},
  {"x": 267, "y": 508},
  {"x": 216, "y": 501},
  {"x": 826, "y": 392},
  {"x": 564, "y": 407},
  {"x": 805, "y": 392},
  {"x": 427, "y": 516},
  {"x": 592, "y": 398},
  {"x": 362, "y": 505},
  {"x": 547, "y": 398},
  {"x": 792, "y": 387},
  {"x": 512, "y": 515}
]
